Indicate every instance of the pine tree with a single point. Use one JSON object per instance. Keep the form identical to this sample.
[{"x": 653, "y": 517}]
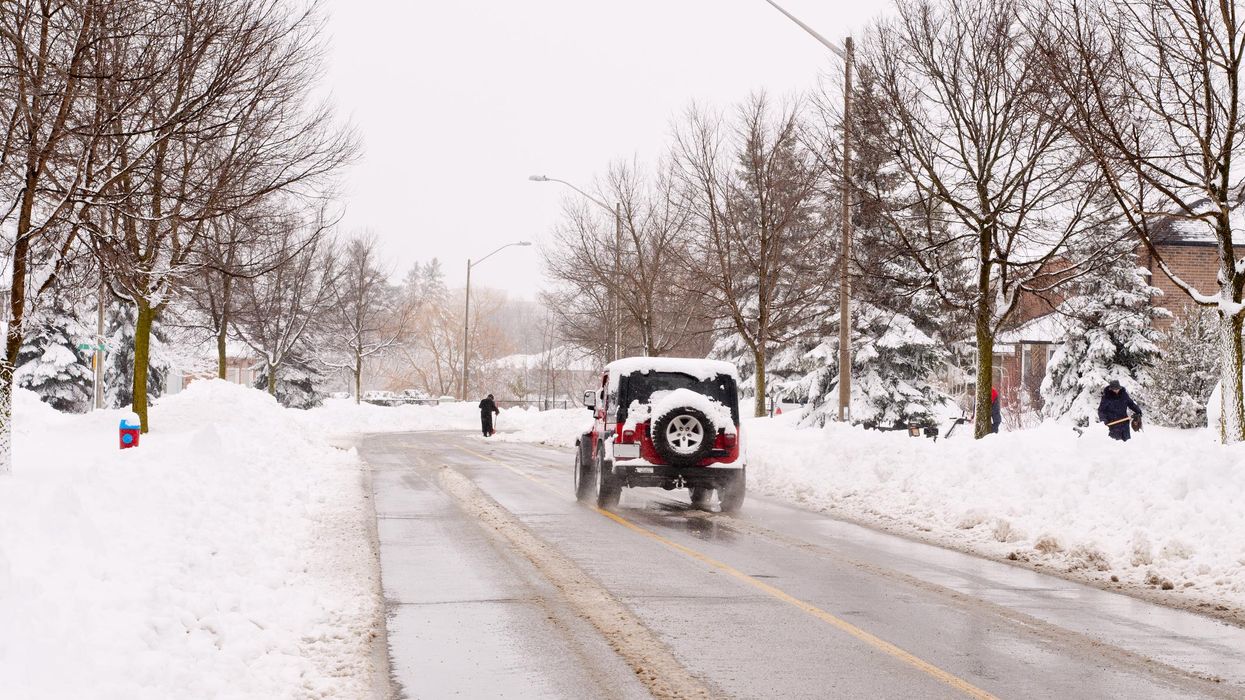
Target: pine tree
[
  {"x": 1111, "y": 335},
  {"x": 49, "y": 363},
  {"x": 299, "y": 382},
  {"x": 894, "y": 364},
  {"x": 119, "y": 327},
  {"x": 1184, "y": 375}
]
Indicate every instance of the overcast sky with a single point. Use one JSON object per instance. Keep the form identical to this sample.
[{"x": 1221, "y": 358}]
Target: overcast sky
[{"x": 459, "y": 101}]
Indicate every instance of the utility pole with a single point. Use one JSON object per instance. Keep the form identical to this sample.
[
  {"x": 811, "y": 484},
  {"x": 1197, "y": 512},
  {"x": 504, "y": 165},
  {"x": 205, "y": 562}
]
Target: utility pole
[
  {"x": 466, "y": 331},
  {"x": 617, "y": 301},
  {"x": 847, "y": 52},
  {"x": 99, "y": 348},
  {"x": 845, "y": 278}
]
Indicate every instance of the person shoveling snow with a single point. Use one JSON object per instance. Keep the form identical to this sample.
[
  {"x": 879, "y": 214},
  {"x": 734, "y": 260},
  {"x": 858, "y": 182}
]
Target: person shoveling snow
[
  {"x": 488, "y": 409},
  {"x": 1113, "y": 410}
]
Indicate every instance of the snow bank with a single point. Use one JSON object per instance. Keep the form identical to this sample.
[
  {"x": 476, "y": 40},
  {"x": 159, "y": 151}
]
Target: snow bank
[
  {"x": 1166, "y": 509},
  {"x": 343, "y": 417},
  {"x": 227, "y": 556}
]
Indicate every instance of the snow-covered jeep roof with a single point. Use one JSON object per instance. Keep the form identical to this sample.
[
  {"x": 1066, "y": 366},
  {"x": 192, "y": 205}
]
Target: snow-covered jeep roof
[{"x": 703, "y": 370}]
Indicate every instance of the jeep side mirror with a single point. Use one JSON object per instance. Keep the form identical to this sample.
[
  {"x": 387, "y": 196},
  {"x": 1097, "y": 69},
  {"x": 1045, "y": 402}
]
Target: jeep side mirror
[{"x": 590, "y": 399}]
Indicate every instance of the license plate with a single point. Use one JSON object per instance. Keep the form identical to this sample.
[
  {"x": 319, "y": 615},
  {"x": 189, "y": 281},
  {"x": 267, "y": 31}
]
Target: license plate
[{"x": 626, "y": 451}]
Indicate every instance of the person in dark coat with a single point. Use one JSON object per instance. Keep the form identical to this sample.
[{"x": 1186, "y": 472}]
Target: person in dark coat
[
  {"x": 996, "y": 413},
  {"x": 1113, "y": 410},
  {"x": 488, "y": 408}
]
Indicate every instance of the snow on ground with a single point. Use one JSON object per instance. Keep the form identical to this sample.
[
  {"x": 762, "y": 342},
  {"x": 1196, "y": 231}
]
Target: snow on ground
[
  {"x": 227, "y": 556},
  {"x": 1166, "y": 510},
  {"x": 344, "y": 417}
]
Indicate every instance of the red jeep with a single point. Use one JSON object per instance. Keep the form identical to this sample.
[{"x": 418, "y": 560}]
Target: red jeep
[{"x": 661, "y": 421}]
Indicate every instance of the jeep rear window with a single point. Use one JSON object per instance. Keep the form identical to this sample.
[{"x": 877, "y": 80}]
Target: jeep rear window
[{"x": 641, "y": 386}]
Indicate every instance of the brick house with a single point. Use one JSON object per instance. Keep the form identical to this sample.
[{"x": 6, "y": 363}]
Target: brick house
[{"x": 1023, "y": 352}]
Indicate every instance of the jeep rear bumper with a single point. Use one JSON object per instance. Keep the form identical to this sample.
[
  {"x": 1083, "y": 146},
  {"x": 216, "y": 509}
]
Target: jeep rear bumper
[{"x": 638, "y": 473}]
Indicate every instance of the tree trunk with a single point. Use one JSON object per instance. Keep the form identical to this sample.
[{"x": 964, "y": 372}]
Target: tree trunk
[
  {"x": 6, "y": 416},
  {"x": 358, "y": 380},
  {"x": 985, "y": 372},
  {"x": 222, "y": 360},
  {"x": 759, "y": 406},
  {"x": 272, "y": 381},
  {"x": 17, "y": 312},
  {"x": 1232, "y": 391},
  {"x": 142, "y": 360}
]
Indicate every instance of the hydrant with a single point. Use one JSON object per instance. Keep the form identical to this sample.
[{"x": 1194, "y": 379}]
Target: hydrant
[{"x": 130, "y": 432}]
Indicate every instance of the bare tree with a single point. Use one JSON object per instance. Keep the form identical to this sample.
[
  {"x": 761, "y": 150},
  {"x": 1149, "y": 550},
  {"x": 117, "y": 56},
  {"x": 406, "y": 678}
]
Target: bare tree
[
  {"x": 279, "y": 312},
  {"x": 642, "y": 265},
  {"x": 369, "y": 316},
  {"x": 761, "y": 232},
  {"x": 229, "y": 127},
  {"x": 992, "y": 183},
  {"x": 1155, "y": 87}
]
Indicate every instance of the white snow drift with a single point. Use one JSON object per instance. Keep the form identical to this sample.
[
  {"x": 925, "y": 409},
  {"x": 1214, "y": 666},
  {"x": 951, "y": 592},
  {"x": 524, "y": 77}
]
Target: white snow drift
[{"x": 227, "y": 556}]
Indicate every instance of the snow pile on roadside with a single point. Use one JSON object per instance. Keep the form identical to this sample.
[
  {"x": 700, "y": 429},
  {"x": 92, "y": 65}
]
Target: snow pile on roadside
[
  {"x": 344, "y": 417},
  {"x": 557, "y": 428},
  {"x": 1164, "y": 510},
  {"x": 226, "y": 556}
]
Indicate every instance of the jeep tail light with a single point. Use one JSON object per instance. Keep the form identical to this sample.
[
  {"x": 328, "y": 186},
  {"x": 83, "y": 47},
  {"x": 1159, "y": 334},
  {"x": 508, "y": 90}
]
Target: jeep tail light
[
  {"x": 628, "y": 436},
  {"x": 728, "y": 440}
]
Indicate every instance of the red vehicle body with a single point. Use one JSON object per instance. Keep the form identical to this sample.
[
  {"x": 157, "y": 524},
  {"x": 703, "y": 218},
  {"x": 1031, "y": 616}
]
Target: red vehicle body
[{"x": 667, "y": 422}]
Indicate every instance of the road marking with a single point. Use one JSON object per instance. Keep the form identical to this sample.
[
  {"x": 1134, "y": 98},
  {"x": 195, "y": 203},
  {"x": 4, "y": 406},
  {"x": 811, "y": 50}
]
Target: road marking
[{"x": 876, "y": 642}]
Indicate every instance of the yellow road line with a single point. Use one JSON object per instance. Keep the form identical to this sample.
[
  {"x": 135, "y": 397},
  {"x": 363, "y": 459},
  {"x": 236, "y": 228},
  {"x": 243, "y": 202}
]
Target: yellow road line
[{"x": 872, "y": 640}]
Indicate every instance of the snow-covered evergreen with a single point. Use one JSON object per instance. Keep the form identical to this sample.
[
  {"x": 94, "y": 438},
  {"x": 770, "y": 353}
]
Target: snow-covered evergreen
[
  {"x": 50, "y": 364},
  {"x": 299, "y": 383},
  {"x": 893, "y": 368},
  {"x": 1110, "y": 335},
  {"x": 119, "y": 325},
  {"x": 1184, "y": 375},
  {"x": 894, "y": 364}
]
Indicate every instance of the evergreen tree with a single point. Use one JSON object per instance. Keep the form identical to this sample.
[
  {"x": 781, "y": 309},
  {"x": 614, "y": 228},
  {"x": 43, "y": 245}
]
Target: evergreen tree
[
  {"x": 299, "y": 382},
  {"x": 894, "y": 364},
  {"x": 1111, "y": 335},
  {"x": 49, "y": 362},
  {"x": 1186, "y": 372},
  {"x": 119, "y": 325}
]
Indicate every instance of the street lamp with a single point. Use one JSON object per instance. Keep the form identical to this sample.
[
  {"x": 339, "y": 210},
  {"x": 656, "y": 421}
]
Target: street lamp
[
  {"x": 467, "y": 310},
  {"x": 847, "y": 52},
  {"x": 615, "y": 307}
]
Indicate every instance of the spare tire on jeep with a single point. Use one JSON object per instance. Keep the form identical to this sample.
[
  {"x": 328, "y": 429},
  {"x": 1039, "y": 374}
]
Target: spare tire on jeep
[{"x": 683, "y": 437}]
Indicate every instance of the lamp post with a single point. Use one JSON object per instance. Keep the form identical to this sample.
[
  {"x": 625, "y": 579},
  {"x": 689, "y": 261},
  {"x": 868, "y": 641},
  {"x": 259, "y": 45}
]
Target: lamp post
[
  {"x": 847, "y": 52},
  {"x": 467, "y": 311},
  {"x": 615, "y": 310}
]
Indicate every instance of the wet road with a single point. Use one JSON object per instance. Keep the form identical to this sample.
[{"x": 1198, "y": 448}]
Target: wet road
[{"x": 503, "y": 586}]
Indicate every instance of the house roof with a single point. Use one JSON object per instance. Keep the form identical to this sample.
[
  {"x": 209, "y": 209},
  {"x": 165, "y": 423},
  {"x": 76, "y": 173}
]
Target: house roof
[
  {"x": 1185, "y": 230},
  {"x": 1050, "y": 328}
]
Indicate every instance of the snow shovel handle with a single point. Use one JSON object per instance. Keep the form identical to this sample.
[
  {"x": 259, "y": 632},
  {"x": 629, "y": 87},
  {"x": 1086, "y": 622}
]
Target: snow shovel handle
[{"x": 1117, "y": 422}]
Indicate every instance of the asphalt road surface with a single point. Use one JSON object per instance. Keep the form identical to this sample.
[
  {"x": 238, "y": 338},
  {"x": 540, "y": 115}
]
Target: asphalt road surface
[{"x": 499, "y": 584}]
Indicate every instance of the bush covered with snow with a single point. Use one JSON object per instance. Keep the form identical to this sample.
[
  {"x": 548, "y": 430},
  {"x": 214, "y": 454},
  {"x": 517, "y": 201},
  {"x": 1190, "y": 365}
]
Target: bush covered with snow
[{"x": 226, "y": 556}]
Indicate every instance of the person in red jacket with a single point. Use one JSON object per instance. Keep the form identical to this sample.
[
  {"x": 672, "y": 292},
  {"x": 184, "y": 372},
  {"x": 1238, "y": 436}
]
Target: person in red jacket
[{"x": 996, "y": 415}]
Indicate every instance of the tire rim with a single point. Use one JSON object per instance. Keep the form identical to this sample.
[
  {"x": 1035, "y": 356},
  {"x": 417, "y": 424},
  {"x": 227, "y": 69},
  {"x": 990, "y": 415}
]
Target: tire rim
[{"x": 685, "y": 434}]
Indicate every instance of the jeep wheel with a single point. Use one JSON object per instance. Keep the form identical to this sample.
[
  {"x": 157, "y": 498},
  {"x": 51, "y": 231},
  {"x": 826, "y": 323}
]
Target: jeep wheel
[
  {"x": 683, "y": 437},
  {"x": 609, "y": 489},
  {"x": 732, "y": 494},
  {"x": 585, "y": 478},
  {"x": 701, "y": 496}
]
